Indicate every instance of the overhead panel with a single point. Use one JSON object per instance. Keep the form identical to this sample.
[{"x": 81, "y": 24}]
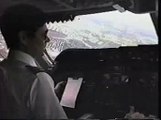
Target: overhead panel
[{"x": 67, "y": 8}]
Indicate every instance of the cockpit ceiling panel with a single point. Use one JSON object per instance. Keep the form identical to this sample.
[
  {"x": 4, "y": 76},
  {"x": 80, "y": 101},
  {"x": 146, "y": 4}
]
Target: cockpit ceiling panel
[
  {"x": 79, "y": 7},
  {"x": 58, "y": 5}
]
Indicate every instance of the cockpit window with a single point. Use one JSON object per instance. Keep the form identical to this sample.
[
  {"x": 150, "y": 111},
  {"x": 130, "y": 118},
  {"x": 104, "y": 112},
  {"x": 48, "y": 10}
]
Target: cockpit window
[{"x": 101, "y": 30}]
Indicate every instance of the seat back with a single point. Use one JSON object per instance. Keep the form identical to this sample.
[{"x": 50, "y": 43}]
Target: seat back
[{"x": 6, "y": 99}]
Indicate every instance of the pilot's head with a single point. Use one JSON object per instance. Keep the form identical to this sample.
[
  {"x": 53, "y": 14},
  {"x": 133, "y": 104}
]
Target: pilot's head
[{"x": 24, "y": 28}]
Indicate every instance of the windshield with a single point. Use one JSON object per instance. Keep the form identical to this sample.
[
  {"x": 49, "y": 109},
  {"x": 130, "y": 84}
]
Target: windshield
[{"x": 100, "y": 30}]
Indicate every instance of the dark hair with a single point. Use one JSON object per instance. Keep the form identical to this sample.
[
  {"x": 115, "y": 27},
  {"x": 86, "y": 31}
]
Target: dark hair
[{"x": 20, "y": 17}]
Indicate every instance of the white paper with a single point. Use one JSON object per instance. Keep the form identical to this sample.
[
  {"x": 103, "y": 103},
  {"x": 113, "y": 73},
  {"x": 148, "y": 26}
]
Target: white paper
[{"x": 71, "y": 92}]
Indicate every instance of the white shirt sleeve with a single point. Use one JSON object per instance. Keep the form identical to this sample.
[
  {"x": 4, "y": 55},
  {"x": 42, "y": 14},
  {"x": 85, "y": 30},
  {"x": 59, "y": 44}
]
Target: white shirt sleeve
[{"x": 44, "y": 103}]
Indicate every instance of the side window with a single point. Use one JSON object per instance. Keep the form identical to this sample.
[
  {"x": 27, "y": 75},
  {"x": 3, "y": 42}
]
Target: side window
[{"x": 3, "y": 48}]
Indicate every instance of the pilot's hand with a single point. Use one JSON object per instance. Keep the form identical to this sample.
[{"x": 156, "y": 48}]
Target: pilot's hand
[
  {"x": 137, "y": 115},
  {"x": 133, "y": 114},
  {"x": 59, "y": 88}
]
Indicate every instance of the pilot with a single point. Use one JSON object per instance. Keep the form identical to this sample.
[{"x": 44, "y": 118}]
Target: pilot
[{"x": 25, "y": 95}]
